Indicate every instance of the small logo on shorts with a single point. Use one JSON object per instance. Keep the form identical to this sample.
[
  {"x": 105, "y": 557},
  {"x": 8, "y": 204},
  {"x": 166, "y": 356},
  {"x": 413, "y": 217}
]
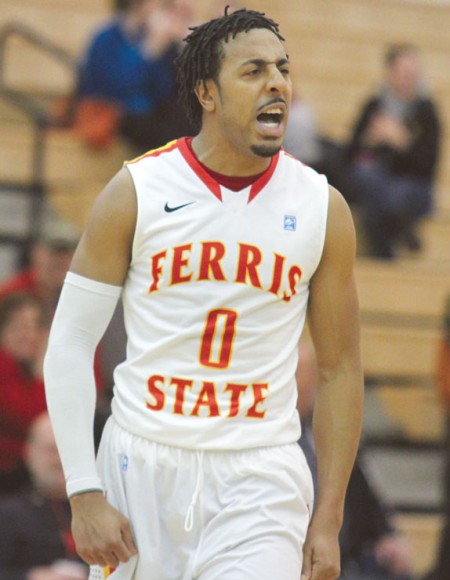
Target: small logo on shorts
[
  {"x": 290, "y": 223},
  {"x": 124, "y": 463}
]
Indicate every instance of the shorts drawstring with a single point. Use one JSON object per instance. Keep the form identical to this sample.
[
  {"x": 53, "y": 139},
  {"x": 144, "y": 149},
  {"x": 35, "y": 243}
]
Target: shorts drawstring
[{"x": 189, "y": 521}]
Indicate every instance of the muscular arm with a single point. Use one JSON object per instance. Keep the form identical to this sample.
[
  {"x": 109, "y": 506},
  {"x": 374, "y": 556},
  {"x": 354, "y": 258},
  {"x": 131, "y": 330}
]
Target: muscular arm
[
  {"x": 104, "y": 251},
  {"x": 334, "y": 325},
  {"x": 85, "y": 308}
]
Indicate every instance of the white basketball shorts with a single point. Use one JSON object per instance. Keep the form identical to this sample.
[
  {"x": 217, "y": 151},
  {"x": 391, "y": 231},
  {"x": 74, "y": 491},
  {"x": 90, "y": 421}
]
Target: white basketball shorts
[{"x": 207, "y": 515}]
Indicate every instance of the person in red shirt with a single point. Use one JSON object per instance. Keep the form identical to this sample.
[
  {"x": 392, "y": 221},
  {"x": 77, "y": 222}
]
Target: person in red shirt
[
  {"x": 50, "y": 259},
  {"x": 23, "y": 340}
]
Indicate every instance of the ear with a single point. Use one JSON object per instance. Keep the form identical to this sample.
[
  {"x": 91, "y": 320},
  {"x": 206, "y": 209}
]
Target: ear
[{"x": 206, "y": 92}]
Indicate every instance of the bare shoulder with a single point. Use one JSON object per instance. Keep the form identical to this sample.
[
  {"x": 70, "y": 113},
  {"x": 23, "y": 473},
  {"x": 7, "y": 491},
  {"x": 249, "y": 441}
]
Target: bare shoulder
[
  {"x": 104, "y": 250},
  {"x": 340, "y": 240},
  {"x": 333, "y": 311},
  {"x": 339, "y": 252},
  {"x": 339, "y": 214}
]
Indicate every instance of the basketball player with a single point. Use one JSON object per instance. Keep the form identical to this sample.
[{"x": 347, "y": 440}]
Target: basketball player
[{"x": 219, "y": 245}]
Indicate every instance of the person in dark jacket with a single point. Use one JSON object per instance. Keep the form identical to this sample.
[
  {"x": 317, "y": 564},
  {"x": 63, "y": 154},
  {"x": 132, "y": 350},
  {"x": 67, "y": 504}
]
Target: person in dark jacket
[
  {"x": 393, "y": 154},
  {"x": 35, "y": 538}
]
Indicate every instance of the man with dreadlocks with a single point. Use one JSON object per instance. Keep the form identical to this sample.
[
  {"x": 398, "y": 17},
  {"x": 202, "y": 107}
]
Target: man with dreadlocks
[{"x": 219, "y": 245}]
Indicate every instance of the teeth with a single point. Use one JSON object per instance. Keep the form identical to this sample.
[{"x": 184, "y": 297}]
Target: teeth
[{"x": 274, "y": 111}]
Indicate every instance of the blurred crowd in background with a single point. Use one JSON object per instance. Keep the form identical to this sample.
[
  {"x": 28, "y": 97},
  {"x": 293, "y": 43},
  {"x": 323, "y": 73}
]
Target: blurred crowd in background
[{"x": 386, "y": 170}]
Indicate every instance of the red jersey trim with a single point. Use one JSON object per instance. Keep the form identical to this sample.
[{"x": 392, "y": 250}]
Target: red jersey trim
[
  {"x": 264, "y": 179},
  {"x": 214, "y": 185},
  {"x": 194, "y": 163},
  {"x": 155, "y": 152}
]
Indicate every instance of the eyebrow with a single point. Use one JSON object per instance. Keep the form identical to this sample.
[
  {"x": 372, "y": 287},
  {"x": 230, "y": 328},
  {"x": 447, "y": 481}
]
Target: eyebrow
[{"x": 261, "y": 62}]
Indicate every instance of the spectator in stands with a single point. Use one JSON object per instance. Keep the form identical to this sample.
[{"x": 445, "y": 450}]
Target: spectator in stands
[
  {"x": 371, "y": 548},
  {"x": 23, "y": 340},
  {"x": 394, "y": 151},
  {"x": 129, "y": 68},
  {"x": 35, "y": 537},
  {"x": 441, "y": 570},
  {"x": 50, "y": 259}
]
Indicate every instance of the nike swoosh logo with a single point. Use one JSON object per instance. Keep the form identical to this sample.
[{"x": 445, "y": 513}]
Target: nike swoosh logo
[{"x": 169, "y": 209}]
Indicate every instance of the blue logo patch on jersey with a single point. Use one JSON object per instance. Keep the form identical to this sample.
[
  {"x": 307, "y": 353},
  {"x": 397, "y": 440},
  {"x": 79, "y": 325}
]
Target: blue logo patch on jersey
[
  {"x": 290, "y": 223},
  {"x": 124, "y": 463}
]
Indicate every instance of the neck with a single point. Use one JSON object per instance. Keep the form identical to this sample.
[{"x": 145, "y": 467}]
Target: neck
[{"x": 222, "y": 157}]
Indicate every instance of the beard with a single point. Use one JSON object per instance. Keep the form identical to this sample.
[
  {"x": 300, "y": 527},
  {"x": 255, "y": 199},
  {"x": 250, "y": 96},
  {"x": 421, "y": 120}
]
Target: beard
[{"x": 266, "y": 150}]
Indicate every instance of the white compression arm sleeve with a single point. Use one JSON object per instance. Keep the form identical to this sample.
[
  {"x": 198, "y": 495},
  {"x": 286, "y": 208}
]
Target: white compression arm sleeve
[{"x": 84, "y": 311}]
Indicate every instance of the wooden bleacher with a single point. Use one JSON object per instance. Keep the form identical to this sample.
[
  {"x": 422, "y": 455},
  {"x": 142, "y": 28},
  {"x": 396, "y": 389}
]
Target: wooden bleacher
[
  {"x": 402, "y": 304},
  {"x": 335, "y": 47},
  {"x": 422, "y": 532},
  {"x": 401, "y": 310},
  {"x": 415, "y": 410},
  {"x": 403, "y": 287},
  {"x": 74, "y": 175},
  {"x": 395, "y": 351}
]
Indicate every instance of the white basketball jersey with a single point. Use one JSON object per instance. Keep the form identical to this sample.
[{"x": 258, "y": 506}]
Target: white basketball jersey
[{"x": 215, "y": 301}]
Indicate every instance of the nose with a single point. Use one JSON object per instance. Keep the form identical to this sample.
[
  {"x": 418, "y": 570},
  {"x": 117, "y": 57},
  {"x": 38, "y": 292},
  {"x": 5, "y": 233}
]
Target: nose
[{"x": 277, "y": 82}]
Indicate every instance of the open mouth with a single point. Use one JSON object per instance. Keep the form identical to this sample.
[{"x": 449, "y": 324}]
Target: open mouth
[{"x": 271, "y": 118}]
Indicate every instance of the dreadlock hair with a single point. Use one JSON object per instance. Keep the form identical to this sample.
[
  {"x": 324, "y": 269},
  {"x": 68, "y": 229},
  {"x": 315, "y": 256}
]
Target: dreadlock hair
[{"x": 203, "y": 53}]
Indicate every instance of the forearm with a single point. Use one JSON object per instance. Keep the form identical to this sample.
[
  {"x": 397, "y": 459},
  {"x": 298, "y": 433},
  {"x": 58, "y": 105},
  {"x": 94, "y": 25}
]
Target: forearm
[
  {"x": 337, "y": 426},
  {"x": 83, "y": 313}
]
